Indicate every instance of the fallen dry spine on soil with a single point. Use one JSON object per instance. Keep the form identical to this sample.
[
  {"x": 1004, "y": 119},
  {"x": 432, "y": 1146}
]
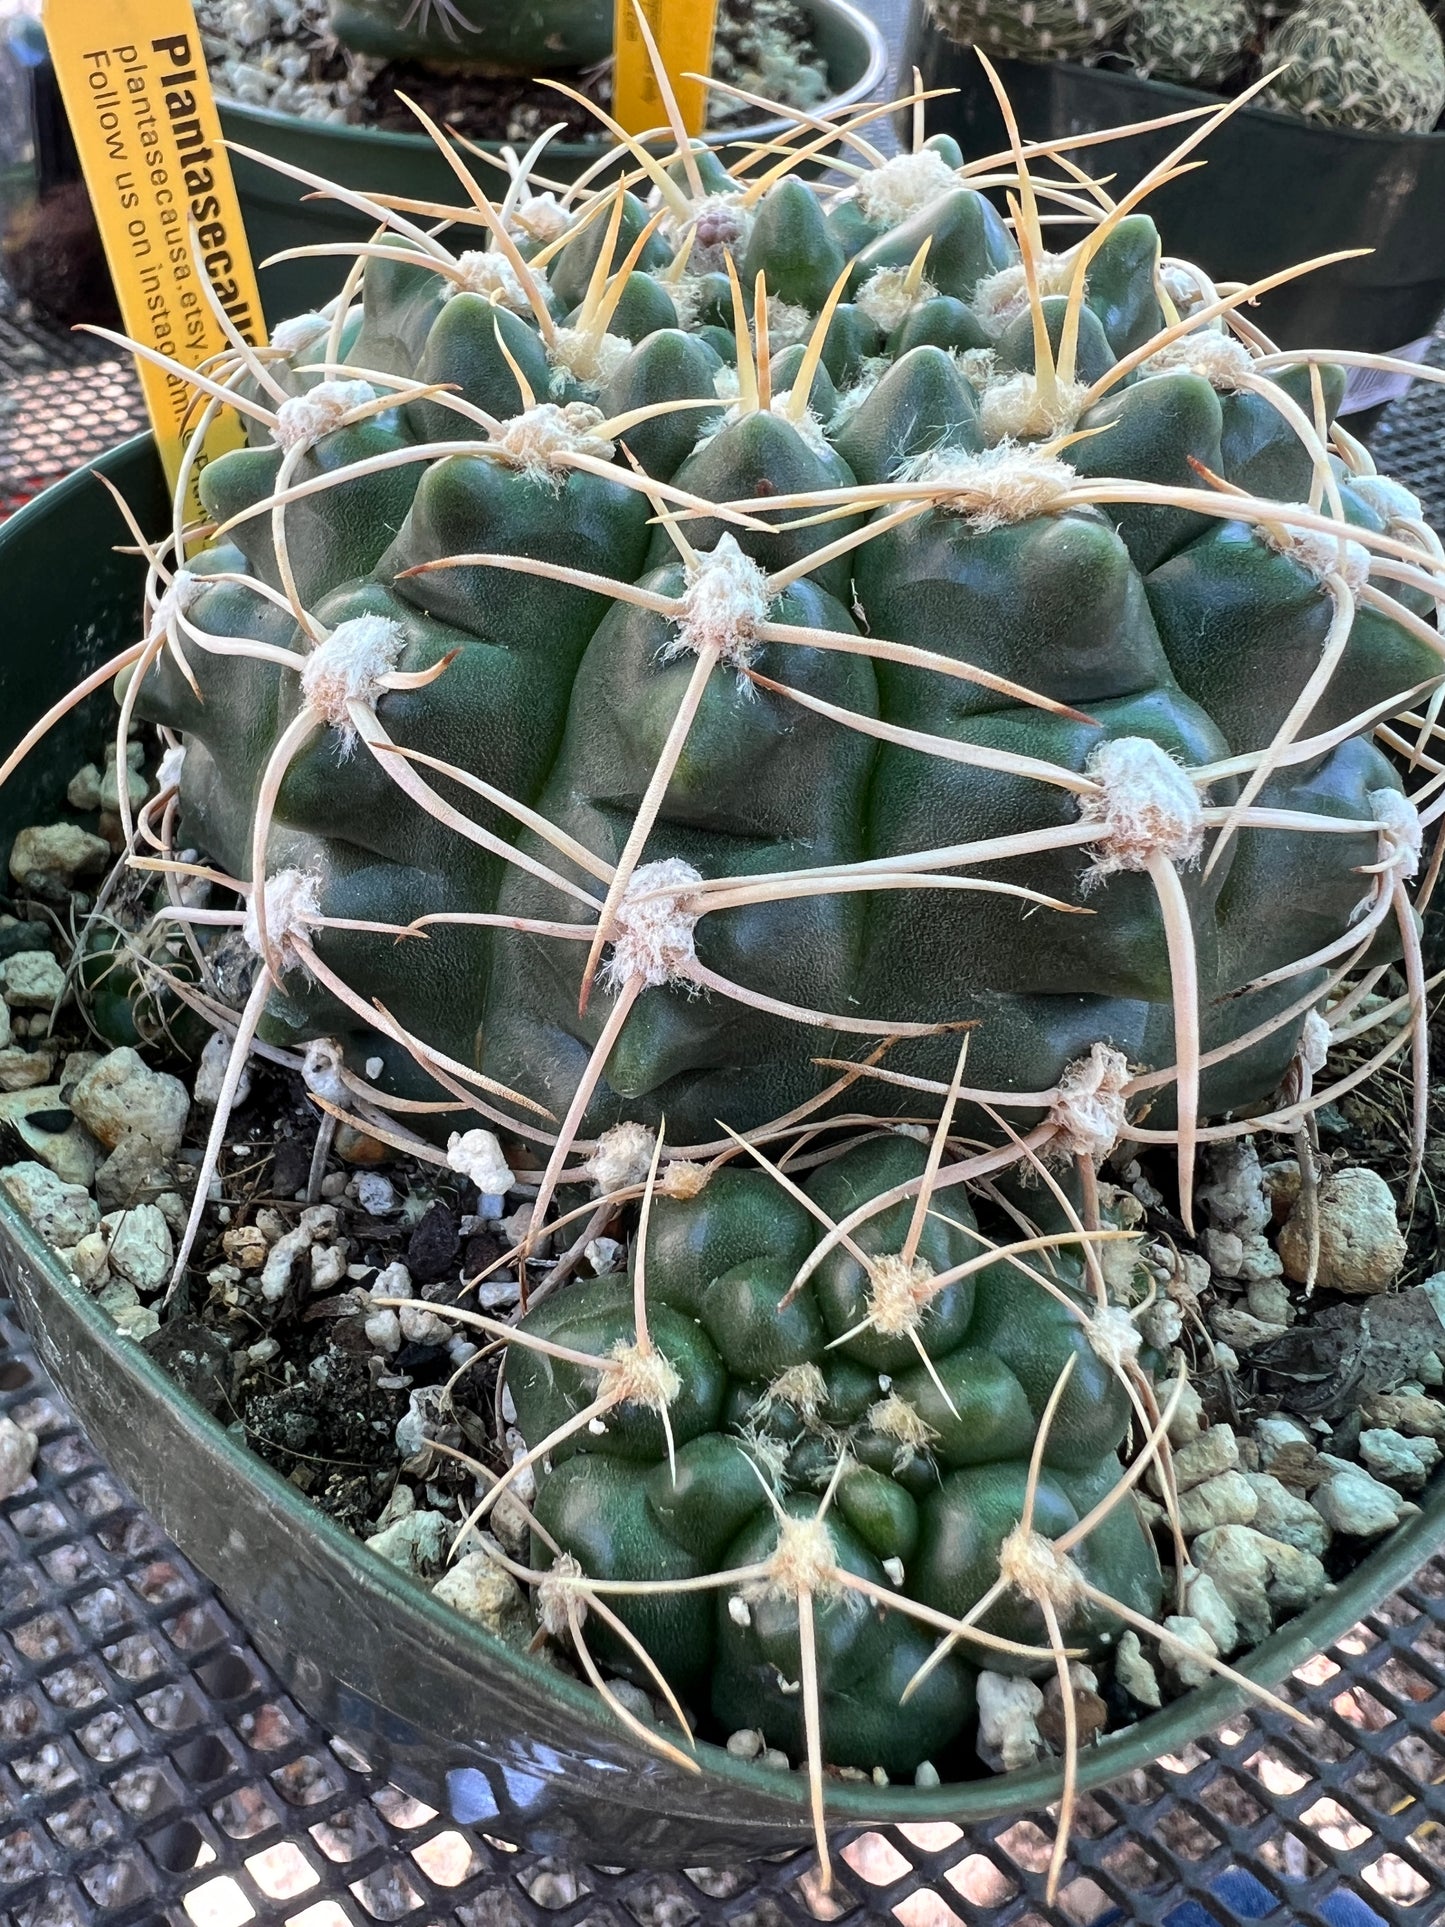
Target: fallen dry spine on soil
[{"x": 694, "y": 658}]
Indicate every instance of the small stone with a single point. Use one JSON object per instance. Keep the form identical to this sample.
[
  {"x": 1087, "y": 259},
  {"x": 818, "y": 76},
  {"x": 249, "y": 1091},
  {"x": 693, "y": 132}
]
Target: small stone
[
  {"x": 383, "y": 1332},
  {"x": 1134, "y": 1672},
  {"x": 1213, "y": 1452},
  {"x": 357, "y": 1147},
  {"x": 1296, "y": 1578},
  {"x": 56, "y": 853},
  {"x": 116, "y": 1296},
  {"x": 774, "y": 1758},
  {"x": 431, "y": 1250},
  {"x": 140, "y": 1246},
  {"x": 134, "y": 1173},
  {"x": 1225, "y": 1252},
  {"x": 605, "y": 1255},
  {"x": 328, "y": 1268},
  {"x": 1351, "y": 1501},
  {"x": 22, "y": 1070},
  {"x": 245, "y": 1246},
  {"x": 333, "y": 1186},
  {"x": 1236, "y": 1558},
  {"x": 18, "y": 1447},
  {"x": 1269, "y": 1301},
  {"x": 478, "y": 1155},
  {"x": 263, "y": 1351},
  {"x": 210, "y": 1075},
  {"x": 1404, "y": 1462},
  {"x": 1412, "y": 1413},
  {"x": 89, "y": 1261},
  {"x": 40, "y": 1126},
  {"x": 1008, "y": 1720},
  {"x": 272, "y": 1224},
  {"x": 1189, "y": 1637},
  {"x": 417, "y": 1542},
  {"x": 82, "y": 792},
  {"x": 32, "y": 980},
  {"x": 428, "y": 1417},
  {"x": 1287, "y": 1451},
  {"x": 1208, "y": 1605},
  {"x": 1227, "y": 1500},
  {"x": 1361, "y": 1249},
  {"x": 421, "y": 1327},
  {"x": 318, "y": 1224},
  {"x": 479, "y": 1589},
  {"x": 77, "y": 1063},
  {"x": 1188, "y": 1420},
  {"x": 1286, "y": 1515},
  {"x": 137, "y": 789},
  {"x": 634, "y": 1700},
  {"x": 1432, "y": 1371},
  {"x": 290, "y": 1167},
  {"x": 1239, "y": 1331},
  {"x": 121, "y": 1097},
  {"x": 138, "y": 1322},
  {"x": 62, "y": 1214},
  {"x": 375, "y": 1194}
]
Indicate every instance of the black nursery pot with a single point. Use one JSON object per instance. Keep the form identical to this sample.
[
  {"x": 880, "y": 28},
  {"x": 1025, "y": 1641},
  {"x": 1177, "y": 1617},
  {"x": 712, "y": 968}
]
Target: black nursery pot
[
  {"x": 1275, "y": 190},
  {"x": 449, "y": 1713}
]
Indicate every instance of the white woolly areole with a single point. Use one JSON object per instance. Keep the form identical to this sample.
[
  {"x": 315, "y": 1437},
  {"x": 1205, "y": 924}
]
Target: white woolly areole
[
  {"x": 1390, "y": 500},
  {"x": 898, "y": 1292},
  {"x": 1088, "y": 1113},
  {"x": 540, "y": 217},
  {"x": 683, "y": 1180},
  {"x": 999, "y": 299},
  {"x": 299, "y": 332},
  {"x": 1322, "y": 555},
  {"x": 1186, "y": 285},
  {"x": 321, "y": 1070},
  {"x": 478, "y": 1156},
  {"x": 170, "y": 767},
  {"x": 995, "y": 487},
  {"x": 1146, "y": 806},
  {"x": 894, "y": 1418},
  {"x": 488, "y": 272},
  {"x": 1314, "y": 1042},
  {"x": 1225, "y": 363},
  {"x": 292, "y": 900},
  {"x": 1401, "y": 833},
  {"x": 640, "y": 1375},
  {"x": 1113, "y": 1337},
  {"x": 801, "y": 1386},
  {"x": 654, "y": 925},
  {"x": 1016, "y": 408},
  {"x": 978, "y": 366},
  {"x": 622, "y": 1159},
  {"x": 586, "y": 357},
  {"x": 350, "y": 666},
  {"x": 788, "y": 323},
  {"x": 534, "y": 440},
  {"x": 887, "y": 297},
  {"x": 802, "y": 1561},
  {"x": 555, "y": 1596},
  {"x": 304, "y": 419},
  {"x": 725, "y": 600},
  {"x": 176, "y": 599},
  {"x": 1035, "y": 1567},
  {"x": 903, "y": 185}
]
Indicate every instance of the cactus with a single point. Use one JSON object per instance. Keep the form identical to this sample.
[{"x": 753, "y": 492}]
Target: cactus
[
  {"x": 1031, "y": 29},
  {"x": 488, "y": 34},
  {"x": 1195, "y": 42},
  {"x": 1358, "y": 63}
]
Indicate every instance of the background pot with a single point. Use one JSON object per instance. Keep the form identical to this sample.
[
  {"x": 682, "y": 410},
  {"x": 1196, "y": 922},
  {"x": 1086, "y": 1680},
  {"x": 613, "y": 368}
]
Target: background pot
[
  {"x": 458, "y": 1719},
  {"x": 851, "y": 47},
  {"x": 1275, "y": 190}
]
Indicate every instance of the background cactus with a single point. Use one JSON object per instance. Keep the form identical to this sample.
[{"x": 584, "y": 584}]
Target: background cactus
[
  {"x": 1031, "y": 29},
  {"x": 487, "y": 34},
  {"x": 1196, "y": 42},
  {"x": 1359, "y": 63}
]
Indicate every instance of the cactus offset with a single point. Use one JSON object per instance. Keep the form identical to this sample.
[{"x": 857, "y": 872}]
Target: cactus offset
[
  {"x": 1358, "y": 63},
  {"x": 1196, "y": 42}
]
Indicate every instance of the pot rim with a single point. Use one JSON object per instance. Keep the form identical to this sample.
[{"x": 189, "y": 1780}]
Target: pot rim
[
  {"x": 1176, "y": 91},
  {"x": 858, "y": 1804},
  {"x": 874, "y": 74}
]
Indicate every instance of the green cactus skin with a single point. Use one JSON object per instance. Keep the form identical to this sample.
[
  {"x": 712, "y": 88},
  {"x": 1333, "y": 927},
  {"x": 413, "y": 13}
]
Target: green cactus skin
[
  {"x": 1150, "y": 622},
  {"x": 1195, "y": 42},
  {"x": 717, "y": 1265},
  {"x": 1031, "y": 29},
  {"x": 1359, "y": 63},
  {"x": 525, "y": 36}
]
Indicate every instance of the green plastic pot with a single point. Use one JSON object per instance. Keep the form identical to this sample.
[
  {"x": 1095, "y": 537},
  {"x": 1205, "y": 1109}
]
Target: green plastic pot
[
  {"x": 278, "y": 218},
  {"x": 1274, "y": 190},
  {"x": 453, "y": 1716}
]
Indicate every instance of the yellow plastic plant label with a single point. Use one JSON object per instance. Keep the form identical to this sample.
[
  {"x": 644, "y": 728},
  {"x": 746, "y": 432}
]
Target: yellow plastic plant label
[
  {"x": 682, "y": 33},
  {"x": 138, "y": 97}
]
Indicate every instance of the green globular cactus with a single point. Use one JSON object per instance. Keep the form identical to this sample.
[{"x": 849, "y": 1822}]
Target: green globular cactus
[
  {"x": 532, "y": 37},
  {"x": 1195, "y": 42},
  {"x": 862, "y": 1450},
  {"x": 1358, "y": 63},
  {"x": 688, "y": 663},
  {"x": 1031, "y": 29}
]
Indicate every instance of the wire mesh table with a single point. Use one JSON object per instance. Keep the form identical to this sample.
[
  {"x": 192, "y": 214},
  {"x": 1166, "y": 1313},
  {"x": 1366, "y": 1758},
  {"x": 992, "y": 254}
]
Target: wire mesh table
[{"x": 151, "y": 1769}]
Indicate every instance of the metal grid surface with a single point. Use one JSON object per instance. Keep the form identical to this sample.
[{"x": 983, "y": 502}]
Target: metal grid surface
[{"x": 64, "y": 399}]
